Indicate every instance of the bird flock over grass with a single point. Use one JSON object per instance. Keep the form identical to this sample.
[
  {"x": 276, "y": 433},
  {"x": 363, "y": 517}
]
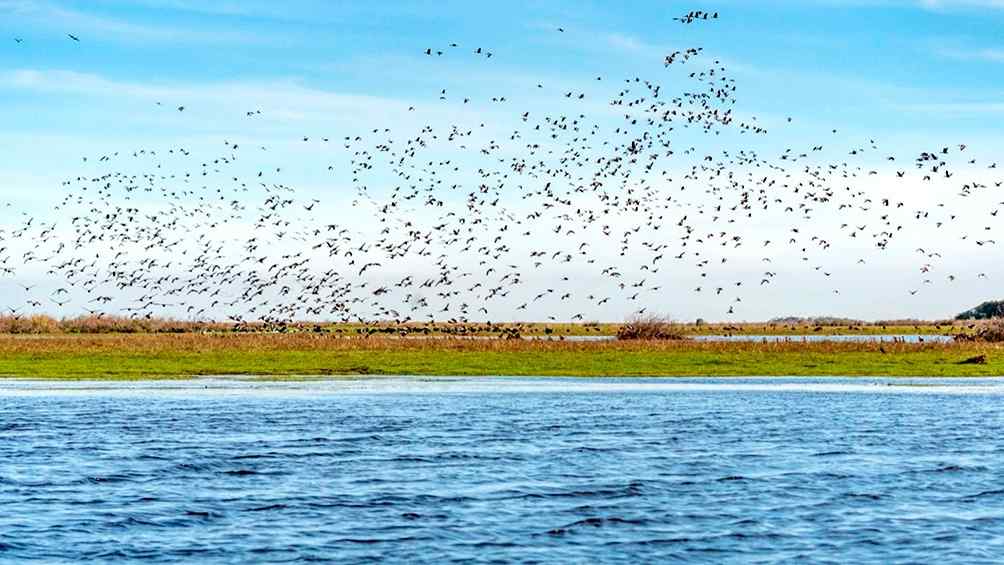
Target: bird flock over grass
[{"x": 631, "y": 183}]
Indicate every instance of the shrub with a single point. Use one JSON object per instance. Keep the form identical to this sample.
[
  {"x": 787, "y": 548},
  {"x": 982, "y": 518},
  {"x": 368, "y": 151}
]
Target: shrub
[
  {"x": 35, "y": 324},
  {"x": 42, "y": 324},
  {"x": 990, "y": 332},
  {"x": 985, "y": 311},
  {"x": 649, "y": 327}
]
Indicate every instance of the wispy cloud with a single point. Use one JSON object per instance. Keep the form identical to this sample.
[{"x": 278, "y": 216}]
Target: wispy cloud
[
  {"x": 279, "y": 93},
  {"x": 284, "y": 103},
  {"x": 624, "y": 42},
  {"x": 955, "y": 108},
  {"x": 949, "y": 4},
  {"x": 992, "y": 54},
  {"x": 290, "y": 10},
  {"x": 220, "y": 7},
  {"x": 91, "y": 26}
]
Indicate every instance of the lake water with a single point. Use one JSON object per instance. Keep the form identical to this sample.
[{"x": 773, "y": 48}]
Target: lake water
[
  {"x": 907, "y": 338},
  {"x": 557, "y": 470}
]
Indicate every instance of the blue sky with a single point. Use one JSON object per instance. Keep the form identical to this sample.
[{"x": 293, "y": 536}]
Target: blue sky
[
  {"x": 913, "y": 74},
  {"x": 900, "y": 70},
  {"x": 858, "y": 58},
  {"x": 897, "y": 68}
]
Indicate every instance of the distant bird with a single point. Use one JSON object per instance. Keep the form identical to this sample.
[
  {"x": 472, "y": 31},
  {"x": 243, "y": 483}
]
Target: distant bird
[
  {"x": 73, "y": 37},
  {"x": 441, "y": 211}
]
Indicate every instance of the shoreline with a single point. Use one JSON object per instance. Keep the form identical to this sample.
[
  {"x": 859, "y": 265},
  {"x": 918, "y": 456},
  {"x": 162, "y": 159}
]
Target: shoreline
[{"x": 237, "y": 388}]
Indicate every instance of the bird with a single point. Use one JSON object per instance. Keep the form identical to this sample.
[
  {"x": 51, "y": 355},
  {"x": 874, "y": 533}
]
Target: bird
[{"x": 441, "y": 207}]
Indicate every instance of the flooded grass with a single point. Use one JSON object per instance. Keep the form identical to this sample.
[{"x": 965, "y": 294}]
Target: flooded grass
[{"x": 283, "y": 355}]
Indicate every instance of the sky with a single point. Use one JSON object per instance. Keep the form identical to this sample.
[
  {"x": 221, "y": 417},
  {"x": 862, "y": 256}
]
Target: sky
[{"x": 912, "y": 75}]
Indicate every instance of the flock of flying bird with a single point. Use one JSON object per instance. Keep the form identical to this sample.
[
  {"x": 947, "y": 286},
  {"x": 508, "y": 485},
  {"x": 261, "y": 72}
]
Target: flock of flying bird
[{"x": 465, "y": 222}]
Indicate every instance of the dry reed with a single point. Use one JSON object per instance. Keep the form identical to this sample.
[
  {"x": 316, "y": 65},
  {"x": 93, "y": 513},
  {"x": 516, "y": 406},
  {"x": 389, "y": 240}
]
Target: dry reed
[
  {"x": 651, "y": 327},
  {"x": 261, "y": 342}
]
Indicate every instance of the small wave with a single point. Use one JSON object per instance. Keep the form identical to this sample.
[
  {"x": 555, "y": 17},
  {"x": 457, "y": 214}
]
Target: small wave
[
  {"x": 960, "y": 468},
  {"x": 411, "y": 459},
  {"x": 257, "y": 456},
  {"x": 131, "y": 522},
  {"x": 864, "y": 495},
  {"x": 984, "y": 494},
  {"x": 267, "y": 508},
  {"x": 595, "y": 522},
  {"x": 658, "y": 541},
  {"x": 110, "y": 479},
  {"x": 196, "y": 467}
]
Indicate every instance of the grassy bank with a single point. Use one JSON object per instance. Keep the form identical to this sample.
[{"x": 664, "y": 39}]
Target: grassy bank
[{"x": 184, "y": 355}]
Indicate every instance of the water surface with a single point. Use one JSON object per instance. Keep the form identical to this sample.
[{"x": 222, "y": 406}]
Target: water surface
[
  {"x": 859, "y": 338},
  {"x": 569, "y": 470}
]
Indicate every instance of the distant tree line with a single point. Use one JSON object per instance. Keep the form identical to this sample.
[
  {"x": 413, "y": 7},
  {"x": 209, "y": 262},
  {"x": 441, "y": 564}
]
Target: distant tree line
[{"x": 987, "y": 310}]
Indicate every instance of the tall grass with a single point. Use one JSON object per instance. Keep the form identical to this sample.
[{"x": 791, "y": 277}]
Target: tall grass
[
  {"x": 273, "y": 342},
  {"x": 990, "y": 331},
  {"x": 651, "y": 327},
  {"x": 41, "y": 324},
  {"x": 37, "y": 324}
]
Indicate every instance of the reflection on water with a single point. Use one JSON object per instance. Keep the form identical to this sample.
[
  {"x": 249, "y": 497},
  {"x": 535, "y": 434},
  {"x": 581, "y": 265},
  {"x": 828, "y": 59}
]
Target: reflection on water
[
  {"x": 856, "y": 338},
  {"x": 907, "y": 338},
  {"x": 483, "y": 469}
]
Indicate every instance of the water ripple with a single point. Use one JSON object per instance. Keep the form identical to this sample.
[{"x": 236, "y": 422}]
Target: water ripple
[{"x": 489, "y": 470}]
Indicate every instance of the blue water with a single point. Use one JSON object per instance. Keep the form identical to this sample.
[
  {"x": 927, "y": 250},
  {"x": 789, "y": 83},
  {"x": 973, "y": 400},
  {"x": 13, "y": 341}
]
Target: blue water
[
  {"x": 859, "y": 338},
  {"x": 906, "y": 338},
  {"x": 493, "y": 470}
]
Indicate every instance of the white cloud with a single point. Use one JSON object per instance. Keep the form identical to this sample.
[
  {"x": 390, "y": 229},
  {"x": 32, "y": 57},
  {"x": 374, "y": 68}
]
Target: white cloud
[
  {"x": 955, "y": 108},
  {"x": 991, "y": 54},
  {"x": 90, "y": 27},
  {"x": 628, "y": 43},
  {"x": 948, "y": 4},
  {"x": 279, "y": 94}
]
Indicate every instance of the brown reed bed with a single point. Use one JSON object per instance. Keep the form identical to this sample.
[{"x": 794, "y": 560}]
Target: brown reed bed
[
  {"x": 650, "y": 327},
  {"x": 42, "y": 324},
  {"x": 328, "y": 342},
  {"x": 641, "y": 328}
]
